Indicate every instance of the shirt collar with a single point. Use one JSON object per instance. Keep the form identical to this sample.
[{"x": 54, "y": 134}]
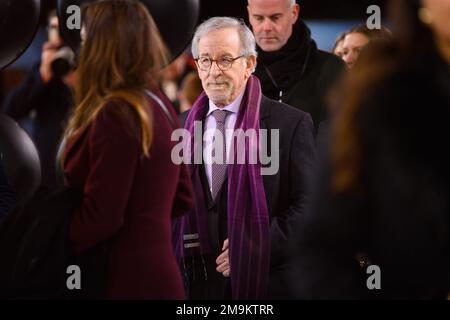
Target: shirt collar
[{"x": 232, "y": 107}]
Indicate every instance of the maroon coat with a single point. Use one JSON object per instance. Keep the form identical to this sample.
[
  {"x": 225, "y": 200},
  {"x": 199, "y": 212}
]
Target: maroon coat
[{"x": 129, "y": 200}]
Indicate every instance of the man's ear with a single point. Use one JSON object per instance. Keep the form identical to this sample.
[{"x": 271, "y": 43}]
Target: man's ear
[
  {"x": 251, "y": 65},
  {"x": 295, "y": 12}
]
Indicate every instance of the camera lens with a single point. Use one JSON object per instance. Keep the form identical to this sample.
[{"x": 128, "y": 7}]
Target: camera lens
[{"x": 63, "y": 63}]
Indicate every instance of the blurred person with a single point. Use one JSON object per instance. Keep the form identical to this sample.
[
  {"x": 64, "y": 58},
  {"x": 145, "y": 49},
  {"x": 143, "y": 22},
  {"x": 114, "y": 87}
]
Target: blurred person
[
  {"x": 191, "y": 88},
  {"x": 234, "y": 243},
  {"x": 384, "y": 188},
  {"x": 173, "y": 75},
  {"x": 45, "y": 97},
  {"x": 338, "y": 48},
  {"x": 170, "y": 76},
  {"x": 290, "y": 66},
  {"x": 357, "y": 38},
  {"x": 118, "y": 151}
]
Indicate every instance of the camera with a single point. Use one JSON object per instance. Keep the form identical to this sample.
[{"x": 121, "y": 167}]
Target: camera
[{"x": 63, "y": 63}]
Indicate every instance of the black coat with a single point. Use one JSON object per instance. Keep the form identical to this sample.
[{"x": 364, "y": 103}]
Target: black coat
[
  {"x": 34, "y": 245},
  {"x": 398, "y": 214},
  {"x": 286, "y": 191}
]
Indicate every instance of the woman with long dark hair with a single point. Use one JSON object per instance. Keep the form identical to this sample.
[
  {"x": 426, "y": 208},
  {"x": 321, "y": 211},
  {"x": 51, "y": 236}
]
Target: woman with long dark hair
[
  {"x": 380, "y": 220},
  {"x": 118, "y": 151}
]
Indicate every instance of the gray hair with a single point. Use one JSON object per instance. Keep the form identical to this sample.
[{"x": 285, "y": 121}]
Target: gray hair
[
  {"x": 248, "y": 43},
  {"x": 290, "y": 3}
]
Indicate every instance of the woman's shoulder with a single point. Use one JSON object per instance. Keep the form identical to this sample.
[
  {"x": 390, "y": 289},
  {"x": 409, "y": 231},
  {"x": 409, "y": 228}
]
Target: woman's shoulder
[
  {"x": 163, "y": 106},
  {"x": 117, "y": 119},
  {"x": 129, "y": 112},
  {"x": 115, "y": 109},
  {"x": 126, "y": 110}
]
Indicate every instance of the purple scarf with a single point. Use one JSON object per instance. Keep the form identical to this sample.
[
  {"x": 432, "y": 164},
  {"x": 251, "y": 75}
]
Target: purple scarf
[{"x": 248, "y": 217}]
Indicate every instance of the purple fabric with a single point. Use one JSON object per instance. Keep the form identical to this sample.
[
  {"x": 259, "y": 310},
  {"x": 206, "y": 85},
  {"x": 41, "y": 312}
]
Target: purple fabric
[{"x": 248, "y": 217}]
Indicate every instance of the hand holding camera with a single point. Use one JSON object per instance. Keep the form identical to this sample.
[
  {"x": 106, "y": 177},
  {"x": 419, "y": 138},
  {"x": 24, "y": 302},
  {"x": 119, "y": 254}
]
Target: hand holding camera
[{"x": 56, "y": 61}]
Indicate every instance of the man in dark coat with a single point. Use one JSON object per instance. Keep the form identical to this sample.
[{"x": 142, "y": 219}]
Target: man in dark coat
[
  {"x": 234, "y": 243},
  {"x": 290, "y": 66},
  {"x": 47, "y": 99}
]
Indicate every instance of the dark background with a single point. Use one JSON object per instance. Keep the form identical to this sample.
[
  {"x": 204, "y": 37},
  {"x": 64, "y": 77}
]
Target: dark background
[
  {"x": 310, "y": 9},
  {"x": 322, "y": 11}
]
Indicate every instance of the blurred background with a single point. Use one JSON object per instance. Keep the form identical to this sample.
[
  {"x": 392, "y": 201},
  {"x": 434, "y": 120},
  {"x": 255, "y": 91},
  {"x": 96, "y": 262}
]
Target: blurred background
[{"x": 326, "y": 18}]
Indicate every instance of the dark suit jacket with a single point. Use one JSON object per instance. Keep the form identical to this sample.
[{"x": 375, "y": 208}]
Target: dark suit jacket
[
  {"x": 287, "y": 190},
  {"x": 7, "y": 197},
  {"x": 129, "y": 200}
]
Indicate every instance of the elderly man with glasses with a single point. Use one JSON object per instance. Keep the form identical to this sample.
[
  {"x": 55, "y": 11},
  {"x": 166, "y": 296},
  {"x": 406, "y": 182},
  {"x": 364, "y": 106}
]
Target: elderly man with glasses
[{"x": 235, "y": 243}]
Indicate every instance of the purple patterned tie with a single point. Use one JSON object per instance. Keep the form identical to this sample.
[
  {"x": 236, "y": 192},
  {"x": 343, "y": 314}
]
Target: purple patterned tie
[{"x": 219, "y": 170}]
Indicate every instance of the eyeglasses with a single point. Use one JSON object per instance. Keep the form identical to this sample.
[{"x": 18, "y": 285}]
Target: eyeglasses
[{"x": 225, "y": 63}]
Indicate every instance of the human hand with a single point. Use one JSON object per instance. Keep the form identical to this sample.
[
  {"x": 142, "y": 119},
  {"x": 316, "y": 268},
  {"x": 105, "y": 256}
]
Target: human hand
[
  {"x": 223, "y": 261},
  {"x": 49, "y": 51},
  {"x": 70, "y": 79}
]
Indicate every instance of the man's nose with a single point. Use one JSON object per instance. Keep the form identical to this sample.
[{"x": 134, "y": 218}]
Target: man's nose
[
  {"x": 214, "y": 70},
  {"x": 267, "y": 25}
]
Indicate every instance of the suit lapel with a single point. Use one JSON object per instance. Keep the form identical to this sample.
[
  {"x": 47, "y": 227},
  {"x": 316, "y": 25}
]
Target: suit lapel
[
  {"x": 202, "y": 171},
  {"x": 264, "y": 123},
  {"x": 205, "y": 185}
]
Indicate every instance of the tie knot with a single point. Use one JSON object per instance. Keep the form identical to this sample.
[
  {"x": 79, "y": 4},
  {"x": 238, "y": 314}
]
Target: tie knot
[{"x": 220, "y": 115}]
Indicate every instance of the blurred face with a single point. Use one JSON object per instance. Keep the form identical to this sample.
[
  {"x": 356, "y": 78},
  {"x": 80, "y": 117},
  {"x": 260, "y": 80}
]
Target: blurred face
[
  {"x": 339, "y": 50},
  {"x": 175, "y": 69},
  {"x": 352, "y": 46},
  {"x": 272, "y": 22},
  {"x": 53, "y": 31},
  {"x": 223, "y": 87},
  {"x": 83, "y": 34},
  {"x": 440, "y": 16}
]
